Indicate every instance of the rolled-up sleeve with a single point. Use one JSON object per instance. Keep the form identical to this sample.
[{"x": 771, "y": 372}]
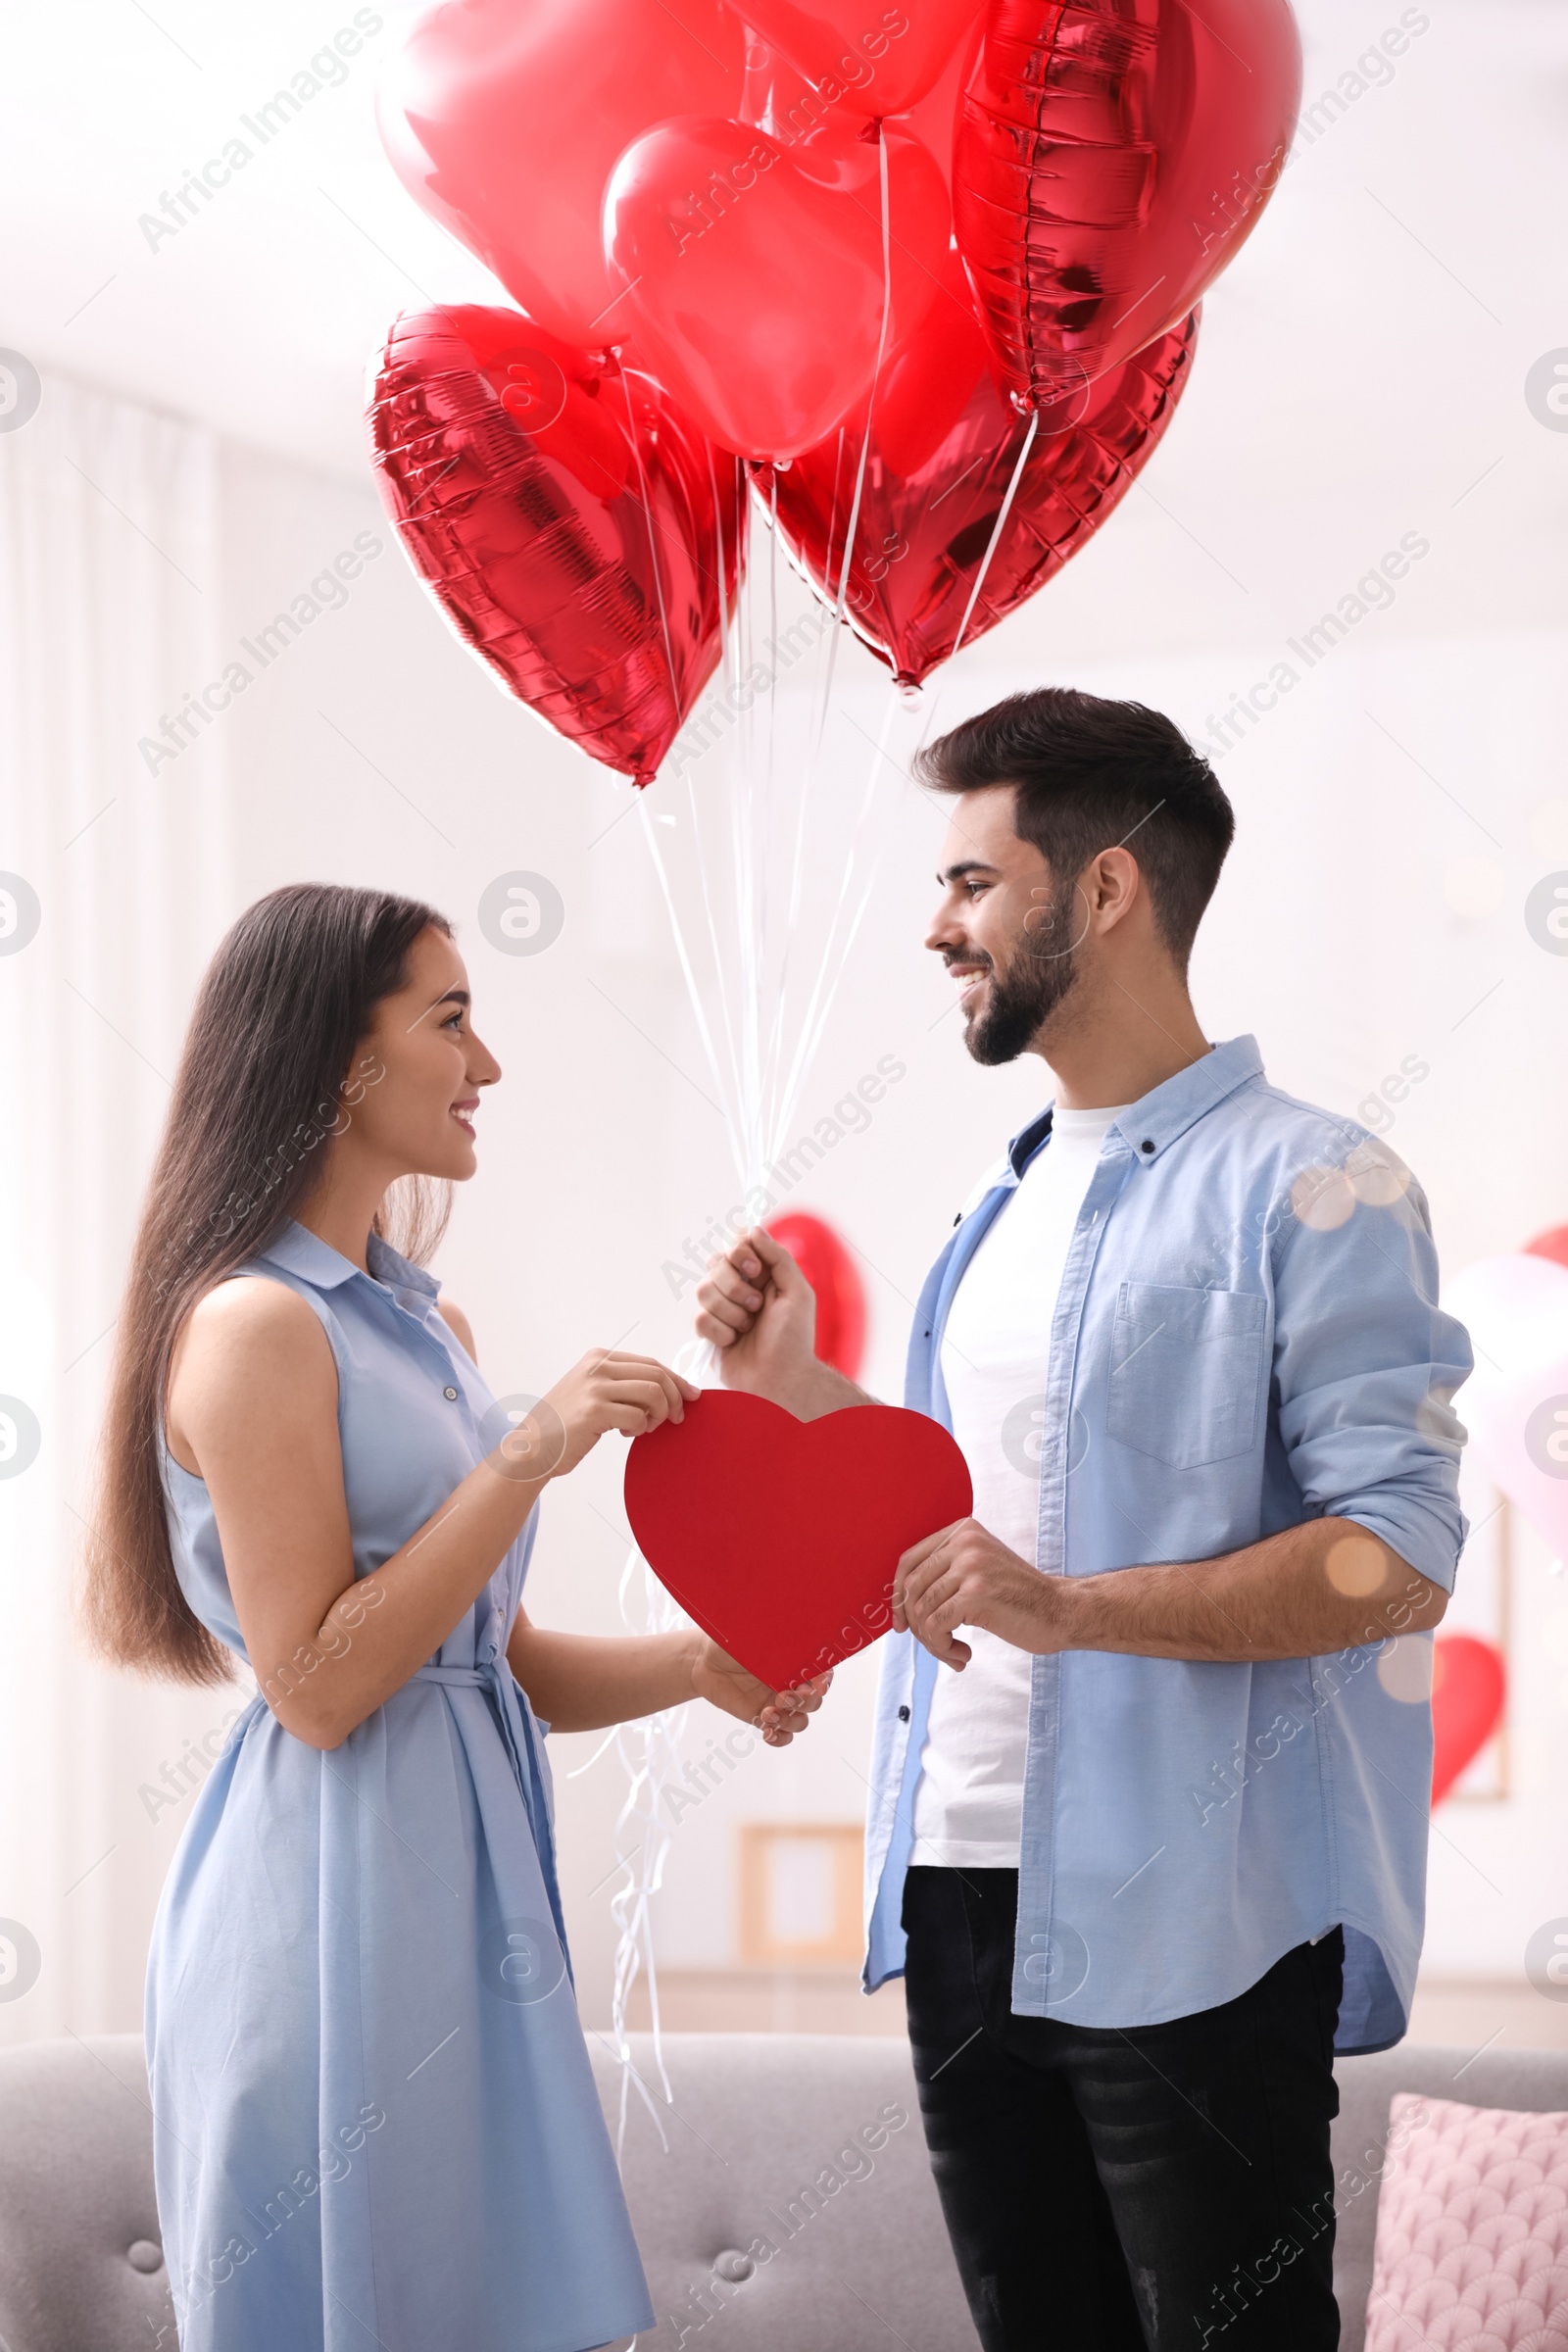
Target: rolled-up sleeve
[{"x": 1365, "y": 1367}]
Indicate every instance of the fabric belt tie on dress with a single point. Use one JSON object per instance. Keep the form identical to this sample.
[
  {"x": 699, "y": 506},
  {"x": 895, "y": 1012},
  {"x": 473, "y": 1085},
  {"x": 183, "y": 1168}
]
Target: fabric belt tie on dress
[{"x": 519, "y": 1730}]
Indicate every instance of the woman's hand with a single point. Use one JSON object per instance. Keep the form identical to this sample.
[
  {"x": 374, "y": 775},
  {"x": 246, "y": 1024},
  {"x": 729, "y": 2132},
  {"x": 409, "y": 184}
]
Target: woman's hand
[
  {"x": 607, "y": 1391},
  {"x": 777, "y": 1714}
]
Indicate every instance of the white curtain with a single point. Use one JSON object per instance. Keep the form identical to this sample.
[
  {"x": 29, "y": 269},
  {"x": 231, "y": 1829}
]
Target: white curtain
[{"x": 111, "y": 616}]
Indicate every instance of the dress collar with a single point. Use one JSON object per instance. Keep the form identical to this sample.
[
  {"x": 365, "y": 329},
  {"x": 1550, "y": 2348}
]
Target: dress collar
[{"x": 300, "y": 1251}]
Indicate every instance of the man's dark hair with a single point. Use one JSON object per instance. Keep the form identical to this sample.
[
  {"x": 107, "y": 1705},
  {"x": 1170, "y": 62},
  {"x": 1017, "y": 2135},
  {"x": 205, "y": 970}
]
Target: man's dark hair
[{"x": 1091, "y": 774}]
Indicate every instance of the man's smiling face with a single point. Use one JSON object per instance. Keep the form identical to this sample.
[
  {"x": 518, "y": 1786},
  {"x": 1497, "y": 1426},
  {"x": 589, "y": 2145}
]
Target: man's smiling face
[{"x": 1004, "y": 928}]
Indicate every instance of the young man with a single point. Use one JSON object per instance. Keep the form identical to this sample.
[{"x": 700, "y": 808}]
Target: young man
[{"x": 1147, "y": 1828}]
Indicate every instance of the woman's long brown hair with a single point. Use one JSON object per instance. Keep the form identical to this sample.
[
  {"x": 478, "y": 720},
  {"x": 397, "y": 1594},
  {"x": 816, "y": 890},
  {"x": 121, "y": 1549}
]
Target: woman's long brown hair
[{"x": 265, "y": 1079}]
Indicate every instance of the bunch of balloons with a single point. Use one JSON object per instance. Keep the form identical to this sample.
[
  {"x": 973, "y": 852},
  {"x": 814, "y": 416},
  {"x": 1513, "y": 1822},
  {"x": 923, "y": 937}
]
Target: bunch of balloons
[{"x": 925, "y": 270}]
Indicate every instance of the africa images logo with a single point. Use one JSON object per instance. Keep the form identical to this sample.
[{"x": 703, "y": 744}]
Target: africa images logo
[
  {"x": 1546, "y": 914},
  {"x": 1547, "y": 1437},
  {"x": 1547, "y": 1960}
]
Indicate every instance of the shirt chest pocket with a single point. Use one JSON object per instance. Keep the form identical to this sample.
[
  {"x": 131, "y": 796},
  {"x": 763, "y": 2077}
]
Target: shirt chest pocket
[{"x": 1186, "y": 1373}]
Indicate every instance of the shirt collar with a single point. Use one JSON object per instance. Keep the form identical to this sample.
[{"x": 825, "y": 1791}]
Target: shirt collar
[
  {"x": 301, "y": 1252},
  {"x": 1165, "y": 1113},
  {"x": 398, "y": 1273}
]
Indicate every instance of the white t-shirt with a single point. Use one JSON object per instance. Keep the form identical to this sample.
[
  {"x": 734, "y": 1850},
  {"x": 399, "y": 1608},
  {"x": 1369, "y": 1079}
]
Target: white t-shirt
[{"x": 969, "y": 1800}]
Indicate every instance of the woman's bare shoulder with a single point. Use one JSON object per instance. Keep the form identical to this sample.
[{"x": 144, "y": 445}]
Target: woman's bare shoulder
[
  {"x": 251, "y": 1357},
  {"x": 252, "y": 1310},
  {"x": 457, "y": 1322},
  {"x": 251, "y": 1330}
]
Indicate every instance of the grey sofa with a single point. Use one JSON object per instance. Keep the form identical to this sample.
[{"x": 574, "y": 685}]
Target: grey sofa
[{"x": 788, "y": 2196}]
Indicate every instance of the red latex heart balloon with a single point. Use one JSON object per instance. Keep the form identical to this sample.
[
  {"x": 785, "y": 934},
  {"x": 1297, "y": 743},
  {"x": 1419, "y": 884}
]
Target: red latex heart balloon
[
  {"x": 753, "y": 273},
  {"x": 868, "y": 60},
  {"x": 572, "y": 526},
  {"x": 1469, "y": 1686},
  {"x": 503, "y": 117},
  {"x": 934, "y": 119},
  {"x": 835, "y": 1279},
  {"x": 1111, "y": 158},
  {"x": 780, "y": 1536},
  {"x": 945, "y": 445}
]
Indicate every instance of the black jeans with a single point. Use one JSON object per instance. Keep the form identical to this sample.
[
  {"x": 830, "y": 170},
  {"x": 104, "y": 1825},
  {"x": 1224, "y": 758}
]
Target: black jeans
[{"x": 1168, "y": 2187}]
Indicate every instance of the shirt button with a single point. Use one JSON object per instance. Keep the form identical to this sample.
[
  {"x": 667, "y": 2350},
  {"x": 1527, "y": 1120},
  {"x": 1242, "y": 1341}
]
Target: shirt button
[
  {"x": 451, "y": 1395},
  {"x": 1145, "y": 1145},
  {"x": 904, "y": 1714}
]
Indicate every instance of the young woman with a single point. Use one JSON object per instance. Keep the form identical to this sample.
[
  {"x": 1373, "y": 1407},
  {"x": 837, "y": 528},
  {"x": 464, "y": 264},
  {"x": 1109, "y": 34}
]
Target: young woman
[{"x": 375, "y": 2119}]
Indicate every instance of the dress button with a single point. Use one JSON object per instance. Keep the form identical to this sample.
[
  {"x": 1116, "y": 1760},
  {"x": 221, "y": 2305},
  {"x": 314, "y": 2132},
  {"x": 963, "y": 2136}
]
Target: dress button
[
  {"x": 144, "y": 2256},
  {"x": 904, "y": 1714},
  {"x": 451, "y": 1395}
]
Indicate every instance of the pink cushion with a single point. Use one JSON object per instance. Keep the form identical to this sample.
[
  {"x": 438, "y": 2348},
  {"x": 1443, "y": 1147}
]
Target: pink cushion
[{"x": 1472, "y": 2241}]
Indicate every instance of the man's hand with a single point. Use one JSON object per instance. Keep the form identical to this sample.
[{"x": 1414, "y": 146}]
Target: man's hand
[
  {"x": 777, "y": 1714},
  {"x": 759, "y": 1310},
  {"x": 962, "y": 1576},
  {"x": 1328, "y": 1585}
]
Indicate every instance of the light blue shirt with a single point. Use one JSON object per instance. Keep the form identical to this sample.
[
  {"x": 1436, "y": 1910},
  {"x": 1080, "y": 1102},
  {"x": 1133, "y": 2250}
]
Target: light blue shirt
[{"x": 1247, "y": 1335}]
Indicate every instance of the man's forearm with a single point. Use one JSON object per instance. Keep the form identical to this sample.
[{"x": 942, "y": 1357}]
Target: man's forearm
[
  {"x": 808, "y": 1390},
  {"x": 1301, "y": 1594},
  {"x": 1322, "y": 1586}
]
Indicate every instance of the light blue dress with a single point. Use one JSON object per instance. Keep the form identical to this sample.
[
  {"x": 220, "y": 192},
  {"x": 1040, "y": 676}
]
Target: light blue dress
[{"x": 375, "y": 2119}]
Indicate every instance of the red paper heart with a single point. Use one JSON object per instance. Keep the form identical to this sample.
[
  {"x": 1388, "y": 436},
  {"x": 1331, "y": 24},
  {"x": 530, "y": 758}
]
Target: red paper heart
[
  {"x": 575, "y": 529},
  {"x": 1469, "y": 1685},
  {"x": 780, "y": 1536}
]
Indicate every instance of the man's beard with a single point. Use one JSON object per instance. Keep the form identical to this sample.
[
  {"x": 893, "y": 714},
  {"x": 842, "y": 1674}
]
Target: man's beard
[{"x": 1043, "y": 970}]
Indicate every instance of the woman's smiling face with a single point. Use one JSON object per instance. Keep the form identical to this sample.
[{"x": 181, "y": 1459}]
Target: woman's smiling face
[{"x": 421, "y": 1066}]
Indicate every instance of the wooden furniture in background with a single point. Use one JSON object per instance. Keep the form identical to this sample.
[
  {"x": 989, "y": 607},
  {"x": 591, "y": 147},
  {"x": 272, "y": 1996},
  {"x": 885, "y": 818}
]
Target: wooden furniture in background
[{"x": 800, "y": 1892}]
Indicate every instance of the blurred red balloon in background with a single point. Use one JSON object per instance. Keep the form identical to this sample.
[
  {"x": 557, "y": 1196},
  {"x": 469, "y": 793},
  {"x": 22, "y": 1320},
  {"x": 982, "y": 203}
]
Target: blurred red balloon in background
[
  {"x": 835, "y": 1277},
  {"x": 1552, "y": 1244},
  {"x": 1108, "y": 160},
  {"x": 1469, "y": 1688},
  {"x": 563, "y": 516}
]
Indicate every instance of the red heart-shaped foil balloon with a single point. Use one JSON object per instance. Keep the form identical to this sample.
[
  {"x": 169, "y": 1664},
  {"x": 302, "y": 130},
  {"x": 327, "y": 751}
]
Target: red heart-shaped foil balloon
[
  {"x": 1469, "y": 1686},
  {"x": 1110, "y": 157},
  {"x": 780, "y": 1536},
  {"x": 945, "y": 443},
  {"x": 578, "y": 532},
  {"x": 753, "y": 269}
]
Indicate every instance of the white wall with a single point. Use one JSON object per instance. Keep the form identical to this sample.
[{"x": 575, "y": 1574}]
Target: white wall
[{"x": 1357, "y": 380}]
